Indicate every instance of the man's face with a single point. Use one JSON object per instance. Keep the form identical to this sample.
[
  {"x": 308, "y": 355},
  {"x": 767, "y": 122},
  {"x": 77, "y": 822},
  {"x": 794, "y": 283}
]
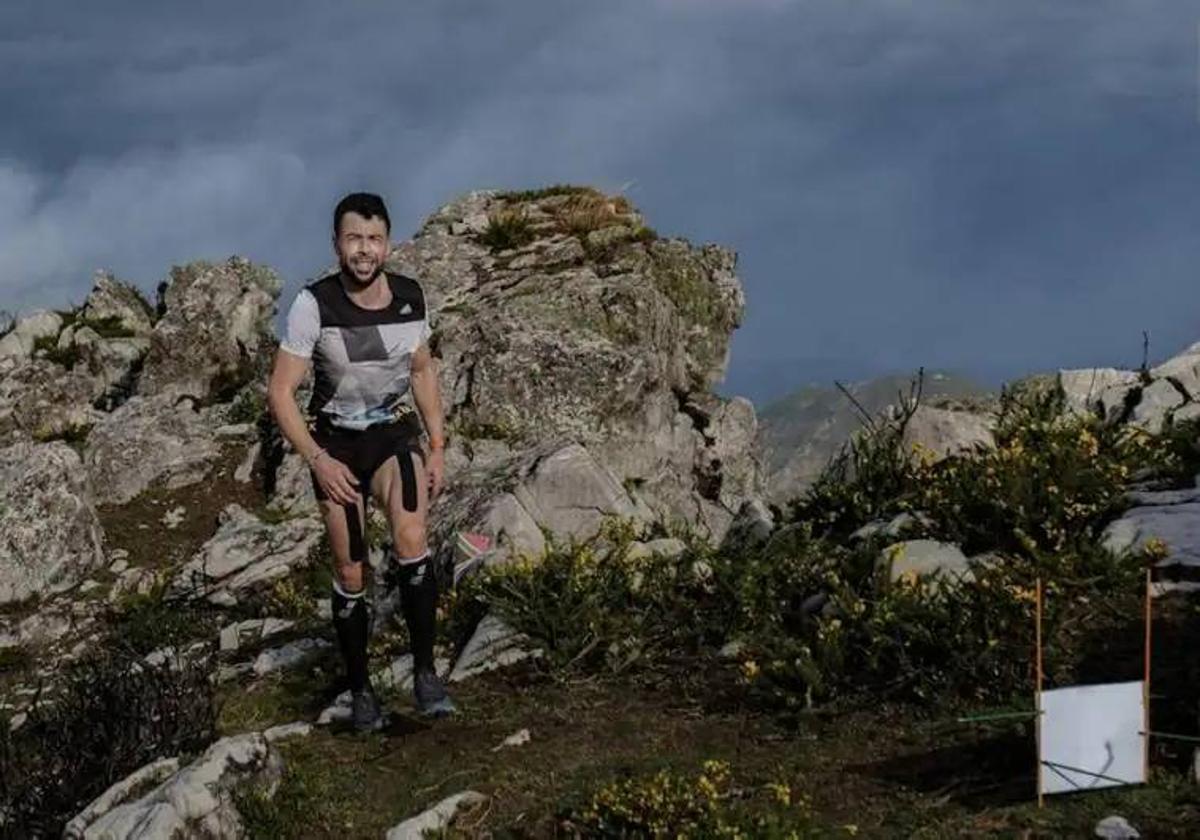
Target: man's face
[{"x": 361, "y": 246}]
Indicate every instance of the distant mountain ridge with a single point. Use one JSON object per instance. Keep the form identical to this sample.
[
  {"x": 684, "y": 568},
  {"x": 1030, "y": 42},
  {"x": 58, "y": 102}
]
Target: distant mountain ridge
[{"x": 799, "y": 433}]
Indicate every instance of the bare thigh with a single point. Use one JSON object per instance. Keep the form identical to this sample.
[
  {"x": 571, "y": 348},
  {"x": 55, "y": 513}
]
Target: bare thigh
[
  {"x": 349, "y": 574},
  {"x": 407, "y": 527}
]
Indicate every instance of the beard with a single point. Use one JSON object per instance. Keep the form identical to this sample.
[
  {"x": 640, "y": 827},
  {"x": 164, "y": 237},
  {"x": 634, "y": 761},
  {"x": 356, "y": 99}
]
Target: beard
[{"x": 348, "y": 272}]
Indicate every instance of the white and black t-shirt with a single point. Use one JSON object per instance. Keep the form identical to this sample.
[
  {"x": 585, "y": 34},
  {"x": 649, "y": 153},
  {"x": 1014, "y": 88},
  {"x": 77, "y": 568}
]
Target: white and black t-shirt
[{"x": 362, "y": 358}]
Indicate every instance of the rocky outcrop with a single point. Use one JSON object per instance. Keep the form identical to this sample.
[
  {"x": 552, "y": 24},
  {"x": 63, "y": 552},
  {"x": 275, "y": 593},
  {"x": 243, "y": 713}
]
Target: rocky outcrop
[
  {"x": 215, "y": 334},
  {"x": 1151, "y": 400},
  {"x": 119, "y": 304},
  {"x": 560, "y": 489},
  {"x": 148, "y": 440},
  {"x": 18, "y": 344},
  {"x": 584, "y": 328},
  {"x": 1171, "y": 516},
  {"x": 50, "y": 538},
  {"x": 803, "y": 432}
]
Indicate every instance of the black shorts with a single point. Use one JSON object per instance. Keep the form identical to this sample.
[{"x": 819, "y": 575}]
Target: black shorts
[{"x": 365, "y": 451}]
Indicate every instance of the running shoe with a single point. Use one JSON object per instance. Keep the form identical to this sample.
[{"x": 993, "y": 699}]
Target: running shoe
[
  {"x": 430, "y": 694},
  {"x": 365, "y": 711}
]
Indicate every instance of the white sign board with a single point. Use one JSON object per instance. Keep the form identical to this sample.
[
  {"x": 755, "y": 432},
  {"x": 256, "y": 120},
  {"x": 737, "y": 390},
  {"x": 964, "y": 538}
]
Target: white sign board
[{"x": 1090, "y": 737}]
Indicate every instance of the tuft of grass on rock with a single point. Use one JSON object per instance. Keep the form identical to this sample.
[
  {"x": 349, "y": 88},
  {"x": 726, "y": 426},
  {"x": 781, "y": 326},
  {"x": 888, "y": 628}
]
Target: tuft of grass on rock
[{"x": 507, "y": 229}]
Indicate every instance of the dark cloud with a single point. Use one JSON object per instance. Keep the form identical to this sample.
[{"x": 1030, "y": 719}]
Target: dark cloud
[{"x": 993, "y": 188}]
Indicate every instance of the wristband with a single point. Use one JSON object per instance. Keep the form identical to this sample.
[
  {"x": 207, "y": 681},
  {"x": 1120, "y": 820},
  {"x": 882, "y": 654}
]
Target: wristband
[
  {"x": 316, "y": 456},
  {"x": 437, "y": 443}
]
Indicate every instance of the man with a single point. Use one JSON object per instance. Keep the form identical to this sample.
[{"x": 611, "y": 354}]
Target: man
[{"x": 366, "y": 332}]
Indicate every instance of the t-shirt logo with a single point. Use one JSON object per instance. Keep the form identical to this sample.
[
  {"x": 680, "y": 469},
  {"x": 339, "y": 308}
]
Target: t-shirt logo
[{"x": 406, "y": 309}]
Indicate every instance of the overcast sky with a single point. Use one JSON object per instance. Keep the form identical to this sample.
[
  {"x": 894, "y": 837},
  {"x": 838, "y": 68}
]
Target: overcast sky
[{"x": 992, "y": 187}]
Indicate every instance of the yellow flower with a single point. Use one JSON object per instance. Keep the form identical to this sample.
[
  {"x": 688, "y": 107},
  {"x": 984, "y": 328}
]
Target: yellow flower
[{"x": 750, "y": 670}]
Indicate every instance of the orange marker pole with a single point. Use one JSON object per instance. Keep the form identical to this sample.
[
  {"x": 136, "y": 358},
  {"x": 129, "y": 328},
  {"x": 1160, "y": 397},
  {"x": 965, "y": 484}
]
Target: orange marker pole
[
  {"x": 1037, "y": 697},
  {"x": 1146, "y": 685}
]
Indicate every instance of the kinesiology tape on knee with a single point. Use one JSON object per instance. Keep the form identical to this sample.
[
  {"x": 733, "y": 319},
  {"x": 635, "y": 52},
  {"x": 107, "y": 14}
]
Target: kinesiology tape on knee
[
  {"x": 408, "y": 480},
  {"x": 352, "y": 622},
  {"x": 418, "y": 603},
  {"x": 354, "y": 526}
]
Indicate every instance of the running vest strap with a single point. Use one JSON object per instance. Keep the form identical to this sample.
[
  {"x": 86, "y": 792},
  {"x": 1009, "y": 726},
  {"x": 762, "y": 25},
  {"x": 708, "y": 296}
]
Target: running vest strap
[{"x": 362, "y": 358}]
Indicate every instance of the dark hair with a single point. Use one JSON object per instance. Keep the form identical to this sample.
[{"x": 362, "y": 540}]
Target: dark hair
[{"x": 367, "y": 205}]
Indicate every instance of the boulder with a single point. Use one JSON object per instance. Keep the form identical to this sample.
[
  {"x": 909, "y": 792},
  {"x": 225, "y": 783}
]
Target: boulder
[
  {"x": 215, "y": 333},
  {"x": 17, "y": 345},
  {"x": 146, "y": 440},
  {"x": 945, "y": 432},
  {"x": 751, "y": 527},
  {"x": 920, "y": 558},
  {"x": 493, "y": 645},
  {"x": 50, "y": 538},
  {"x": 1154, "y": 407},
  {"x": 41, "y": 400},
  {"x": 1172, "y": 516},
  {"x": 194, "y": 802},
  {"x": 247, "y": 554},
  {"x": 1183, "y": 370},
  {"x": 118, "y": 303},
  {"x": 437, "y": 818},
  {"x": 1096, "y": 391}
]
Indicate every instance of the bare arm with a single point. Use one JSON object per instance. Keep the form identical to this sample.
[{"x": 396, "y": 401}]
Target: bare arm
[
  {"x": 427, "y": 396},
  {"x": 286, "y": 377},
  {"x": 335, "y": 478}
]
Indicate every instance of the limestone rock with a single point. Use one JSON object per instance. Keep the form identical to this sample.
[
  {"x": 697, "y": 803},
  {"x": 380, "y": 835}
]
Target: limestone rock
[
  {"x": 665, "y": 547},
  {"x": 436, "y": 818},
  {"x": 18, "y": 343},
  {"x": 493, "y": 645},
  {"x": 149, "y": 439},
  {"x": 112, "y": 300},
  {"x": 51, "y": 538},
  {"x": 247, "y": 553},
  {"x": 751, "y": 527},
  {"x": 568, "y": 492},
  {"x": 1096, "y": 390},
  {"x": 1183, "y": 369},
  {"x": 918, "y": 558},
  {"x": 1157, "y": 401},
  {"x": 195, "y": 802},
  {"x": 946, "y": 432},
  {"x": 1171, "y": 516},
  {"x": 597, "y": 345},
  {"x": 43, "y": 401},
  {"x": 216, "y": 330},
  {"x": 290, "y": 655}
]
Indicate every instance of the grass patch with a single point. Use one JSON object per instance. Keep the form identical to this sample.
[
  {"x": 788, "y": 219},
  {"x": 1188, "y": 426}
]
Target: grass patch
[
  {"x": 506, "y": 229},
  {"x": 74, "y": 435},
  {"x": 544, "y": 192}
]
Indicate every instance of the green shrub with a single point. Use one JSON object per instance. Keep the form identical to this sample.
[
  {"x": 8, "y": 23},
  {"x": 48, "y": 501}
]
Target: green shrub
[
  {"x": 248, "y": 406},
  {"x": 159, "y": 618},
  {"x": 1050, "y": 483},
  {"x": 543, "y": 192},
  {"x": 113, "y": 714},
  {"x": 591, "y": 612},
  {"x": 506, "y": 229},
  {"x": 670, "y": 805}
]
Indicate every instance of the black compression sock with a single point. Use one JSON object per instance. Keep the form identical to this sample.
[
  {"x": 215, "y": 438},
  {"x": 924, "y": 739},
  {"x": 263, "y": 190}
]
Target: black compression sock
[
  {"x": 351, "y": 620},
  {"x": 418, "y": 602}
]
